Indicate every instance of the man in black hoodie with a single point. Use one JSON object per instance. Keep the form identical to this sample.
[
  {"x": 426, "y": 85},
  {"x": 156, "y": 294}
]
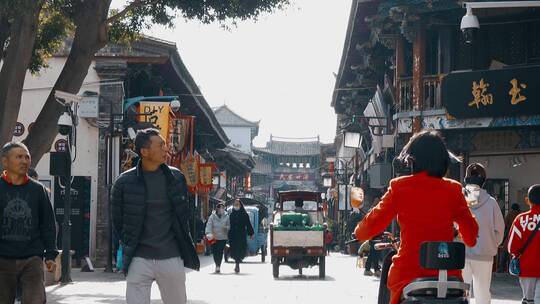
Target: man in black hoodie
[{"x": 27, "y": 228}]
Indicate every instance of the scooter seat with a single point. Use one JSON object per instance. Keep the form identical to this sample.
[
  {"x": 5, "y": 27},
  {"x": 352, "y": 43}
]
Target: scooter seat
[{"x": 427, "y": 288}]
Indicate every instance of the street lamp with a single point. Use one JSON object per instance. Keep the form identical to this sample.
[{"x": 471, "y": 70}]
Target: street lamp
[
  {"x": 352, "y": 139},
  {"x": 327, "y": 182},
  {"x": 342, "y": 178}
]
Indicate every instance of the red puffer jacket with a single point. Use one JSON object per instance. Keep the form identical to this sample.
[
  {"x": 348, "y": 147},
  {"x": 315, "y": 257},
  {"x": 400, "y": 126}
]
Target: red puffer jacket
[
  {"x": 521, "y": 229},
  {"x": 426, "y": 209}
]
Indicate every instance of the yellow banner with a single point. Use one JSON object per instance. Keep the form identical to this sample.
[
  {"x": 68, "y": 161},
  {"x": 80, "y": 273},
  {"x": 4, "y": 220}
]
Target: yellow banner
[{"x": 159, "y": 117}]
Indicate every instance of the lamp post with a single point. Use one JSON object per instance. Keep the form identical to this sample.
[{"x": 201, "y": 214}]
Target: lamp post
[
  {"x": 342, "y": 177},
  {"x": 67, "y": 126}
]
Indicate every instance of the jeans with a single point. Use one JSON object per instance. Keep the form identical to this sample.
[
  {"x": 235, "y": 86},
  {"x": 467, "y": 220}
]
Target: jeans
[
  {"x": 28, "y": 273},
  {"x": 373, "y": 258},
  {"x": 478, "y": 273},
  {"x": 217, "y": 250},
  {"x": 169, "y": 275},
  {"x": 531, "y": 290}
]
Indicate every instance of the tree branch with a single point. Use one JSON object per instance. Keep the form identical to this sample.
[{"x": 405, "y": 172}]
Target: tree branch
[{"x": 121, "y": 14}]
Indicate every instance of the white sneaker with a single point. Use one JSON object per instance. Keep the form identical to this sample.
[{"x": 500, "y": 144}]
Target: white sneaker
[{"x": 218, "y": 269}]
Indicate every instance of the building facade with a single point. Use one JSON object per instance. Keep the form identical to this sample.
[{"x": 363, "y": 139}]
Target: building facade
[{"x": 407, "y": 66}]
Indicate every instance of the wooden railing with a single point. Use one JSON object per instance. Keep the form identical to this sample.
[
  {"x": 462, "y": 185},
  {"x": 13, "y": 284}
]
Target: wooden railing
[{"x": 432, "y": 93}]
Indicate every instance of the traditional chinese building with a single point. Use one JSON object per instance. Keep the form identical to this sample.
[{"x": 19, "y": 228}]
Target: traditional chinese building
[
  {"x": 236, "y": 160},
  {"x": 407, "y": 66},
  {"x": 287, "y": 164}
]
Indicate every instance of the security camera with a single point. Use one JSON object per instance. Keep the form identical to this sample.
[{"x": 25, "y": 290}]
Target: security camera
[
  {"x": 469, "y": 26},
  {"x": 65, "y": 124},
  {"x": 67, "y": 97},
  {"x": 175, "y": 105}
]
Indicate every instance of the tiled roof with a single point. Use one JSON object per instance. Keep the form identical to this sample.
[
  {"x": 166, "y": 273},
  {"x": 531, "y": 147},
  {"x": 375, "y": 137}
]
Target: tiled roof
[
  {"x": 262, "y": 166},
  {"x": 227, "y": 117},
  {"x": 291, "y": 148}
]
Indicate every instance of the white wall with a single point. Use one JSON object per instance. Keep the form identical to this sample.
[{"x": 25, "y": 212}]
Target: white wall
[
  {"x": 520, "y": 177},
  {"x": 36, "y": 91},
  {"x": 240, "y": 136}
]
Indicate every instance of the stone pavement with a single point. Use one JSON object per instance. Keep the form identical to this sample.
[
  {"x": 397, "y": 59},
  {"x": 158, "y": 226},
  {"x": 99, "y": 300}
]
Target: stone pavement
[{"x": 255, "y": 284}]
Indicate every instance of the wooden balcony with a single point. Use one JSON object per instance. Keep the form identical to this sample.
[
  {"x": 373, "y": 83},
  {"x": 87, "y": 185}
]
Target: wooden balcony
[{"x": 432, "y": 93}]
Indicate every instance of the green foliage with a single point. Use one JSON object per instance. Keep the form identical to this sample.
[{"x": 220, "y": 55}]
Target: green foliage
[
  {"x": 59, "y": 18},
  {"x": 53, "y": 28},
  {"x": 123, "y": 31},
  {"x": 225, "y": 12}
]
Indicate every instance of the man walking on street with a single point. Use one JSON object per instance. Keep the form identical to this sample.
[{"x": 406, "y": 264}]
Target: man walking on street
[
  {"x": 150, "y": 212},
  {"x": 27, "y": 229},
  {"x": 479, "y": 259}
]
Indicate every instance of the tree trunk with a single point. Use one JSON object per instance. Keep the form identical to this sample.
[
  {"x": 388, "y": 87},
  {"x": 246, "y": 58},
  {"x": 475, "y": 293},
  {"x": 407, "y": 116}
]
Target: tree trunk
[
  {"x": 17, "y": 57},
  {"x": 4, "y": 34},
  {"x": 90, "y": 36}
]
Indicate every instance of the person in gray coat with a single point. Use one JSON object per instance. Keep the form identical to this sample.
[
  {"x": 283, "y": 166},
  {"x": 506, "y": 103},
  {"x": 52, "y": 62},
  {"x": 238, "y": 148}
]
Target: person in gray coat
[
  {"x": 217, "y": 230},
  {"x": 479, "y": 259}
]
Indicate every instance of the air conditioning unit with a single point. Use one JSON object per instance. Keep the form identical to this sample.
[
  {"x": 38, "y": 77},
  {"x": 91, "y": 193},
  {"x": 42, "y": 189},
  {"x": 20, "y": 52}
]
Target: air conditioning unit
[{"x": 380, "y": 175}]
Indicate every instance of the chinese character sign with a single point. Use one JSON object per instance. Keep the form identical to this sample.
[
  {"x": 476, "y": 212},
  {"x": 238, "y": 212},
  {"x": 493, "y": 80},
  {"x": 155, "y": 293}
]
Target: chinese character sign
[
  {"x": 295, "y": 177},
  {"x": 159, "y": 117},
  {"x": 492, "y": 93},
  {"x": 481, "y": 96},
  {"x": 515, "y": 92}
]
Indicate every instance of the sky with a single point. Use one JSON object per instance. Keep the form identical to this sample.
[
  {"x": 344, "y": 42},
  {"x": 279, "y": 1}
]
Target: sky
[{"x": 279, "y": 70}]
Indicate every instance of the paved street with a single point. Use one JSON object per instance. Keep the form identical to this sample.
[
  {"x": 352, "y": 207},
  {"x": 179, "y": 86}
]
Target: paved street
[{"x": 254, "y": 284}]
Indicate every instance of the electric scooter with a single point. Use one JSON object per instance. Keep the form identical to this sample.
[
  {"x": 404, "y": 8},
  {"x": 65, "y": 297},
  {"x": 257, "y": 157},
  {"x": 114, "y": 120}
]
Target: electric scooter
[{"x": 442, "y": 256}]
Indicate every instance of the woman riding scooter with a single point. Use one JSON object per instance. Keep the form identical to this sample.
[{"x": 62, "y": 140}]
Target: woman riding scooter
[{"x": 426, "y": 206}]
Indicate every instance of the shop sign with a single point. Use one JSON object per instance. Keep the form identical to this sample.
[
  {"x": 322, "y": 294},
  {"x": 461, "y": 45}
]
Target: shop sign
[
  {"x": 294, "y": 177},
  {"x": 19, "y": 129},
  {"x": 493, "y": 93},
  {"x": 159, "y": 117}
]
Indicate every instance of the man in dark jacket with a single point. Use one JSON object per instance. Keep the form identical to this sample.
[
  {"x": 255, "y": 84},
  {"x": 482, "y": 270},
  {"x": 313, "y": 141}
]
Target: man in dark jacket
[
  {"x": 27, "y": 229},
  {"x": 150, "y": 214}
]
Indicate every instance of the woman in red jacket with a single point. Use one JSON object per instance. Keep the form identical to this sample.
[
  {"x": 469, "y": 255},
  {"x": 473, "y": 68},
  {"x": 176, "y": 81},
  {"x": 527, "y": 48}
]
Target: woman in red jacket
[{"x": 426, "y": 206}]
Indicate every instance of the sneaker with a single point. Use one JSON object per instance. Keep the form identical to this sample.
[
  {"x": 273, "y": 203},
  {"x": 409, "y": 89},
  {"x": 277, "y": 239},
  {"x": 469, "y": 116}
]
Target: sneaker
[
  {"x": 368, "y": 273},
  {"x": 378, "y": 273},
  {"x": 218, "y": 269},
  {"x": 237, "y": 268}
]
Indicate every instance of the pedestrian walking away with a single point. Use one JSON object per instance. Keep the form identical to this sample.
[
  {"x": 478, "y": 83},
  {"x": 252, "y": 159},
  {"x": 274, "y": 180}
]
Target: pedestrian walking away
[
  {"x": 27, "y": 233},
  {"x": 217, "y": 229},
  {"x": 524, "y": 243},
  {"x": 508, "y": 221},
  {"x": 150, "y": 212},
  {"x": 479, "y": 259},
  {"x": 239, "y": 231}
]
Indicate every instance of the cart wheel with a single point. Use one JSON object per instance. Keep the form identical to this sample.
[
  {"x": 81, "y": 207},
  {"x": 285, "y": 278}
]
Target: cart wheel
[
  {"x": 275, "y": 270},
  {"x": 322, "y": 267}
]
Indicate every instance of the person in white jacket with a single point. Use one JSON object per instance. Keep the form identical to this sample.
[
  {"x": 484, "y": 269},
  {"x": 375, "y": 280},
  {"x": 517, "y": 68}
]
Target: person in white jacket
[
  {"x": 217, "y": 228},
  {"x": 479, "y": 259}
]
